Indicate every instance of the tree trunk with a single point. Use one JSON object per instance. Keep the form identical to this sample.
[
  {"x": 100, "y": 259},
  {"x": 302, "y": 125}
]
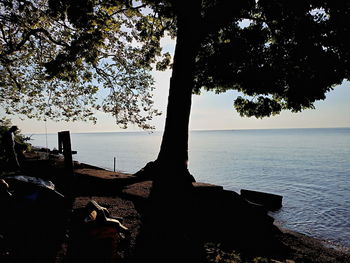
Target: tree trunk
[
  {"x": 163, "y": 232},
  {"x": 173, "y": 155}
]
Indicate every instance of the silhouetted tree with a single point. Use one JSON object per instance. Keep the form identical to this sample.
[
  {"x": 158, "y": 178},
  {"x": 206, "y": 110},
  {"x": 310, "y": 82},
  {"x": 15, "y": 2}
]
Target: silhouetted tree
[{"x": 281, "y": 54}]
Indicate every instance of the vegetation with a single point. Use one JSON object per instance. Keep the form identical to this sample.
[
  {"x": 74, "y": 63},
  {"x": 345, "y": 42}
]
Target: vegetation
[
  {"x": 215, "y": 254},
  {"x": 55, "y": 56},
  {"x": 281, "y": 54}
]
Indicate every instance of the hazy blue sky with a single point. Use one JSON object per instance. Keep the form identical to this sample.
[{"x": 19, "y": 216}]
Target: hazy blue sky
[{"x": 215, "y": 112}]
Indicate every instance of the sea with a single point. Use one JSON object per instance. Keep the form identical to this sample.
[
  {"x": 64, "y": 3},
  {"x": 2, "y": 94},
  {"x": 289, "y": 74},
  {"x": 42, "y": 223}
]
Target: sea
[{"x": 310, "y": 168}]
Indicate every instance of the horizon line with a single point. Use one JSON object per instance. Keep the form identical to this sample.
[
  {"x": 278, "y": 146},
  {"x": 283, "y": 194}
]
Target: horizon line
[{"x": 196, "y": 130}]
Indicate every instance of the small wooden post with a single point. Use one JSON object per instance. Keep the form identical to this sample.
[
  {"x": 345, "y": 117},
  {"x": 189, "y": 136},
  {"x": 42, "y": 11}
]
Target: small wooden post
[
  {"x": 65, "y": 145},
  {"x": 114, "y": 163},
  {"x": 68, "y": 178},
  {"x": 60, "y": 143}
]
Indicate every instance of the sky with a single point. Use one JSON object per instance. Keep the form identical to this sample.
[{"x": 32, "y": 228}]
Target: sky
[{"x": 212, "y": 112}]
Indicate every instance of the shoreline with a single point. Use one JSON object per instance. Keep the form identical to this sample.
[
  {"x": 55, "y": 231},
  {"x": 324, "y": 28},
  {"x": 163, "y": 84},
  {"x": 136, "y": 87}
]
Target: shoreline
[
  {"x": 326, "y": 242},
  {"x": 317, "y": 209},
  {"x": 304, "y": 247},
  {"x": 125, "y": 194},
  {"x": 318, "y": 242}
]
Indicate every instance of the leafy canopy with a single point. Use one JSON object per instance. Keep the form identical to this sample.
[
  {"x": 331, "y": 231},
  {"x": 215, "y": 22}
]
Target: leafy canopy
[
  {"x": 56, "y": 55},
  {"x": 281, "y": 54}
]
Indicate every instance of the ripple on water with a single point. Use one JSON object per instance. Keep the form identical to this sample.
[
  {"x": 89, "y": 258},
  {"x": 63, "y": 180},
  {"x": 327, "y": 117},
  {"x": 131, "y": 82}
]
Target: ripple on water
[{"x": 314, "y": 210}]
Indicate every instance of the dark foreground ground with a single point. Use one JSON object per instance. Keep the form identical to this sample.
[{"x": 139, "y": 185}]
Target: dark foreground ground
[
  {"x": 301, "y": 248},
  {"x": 215, "y": 226}
]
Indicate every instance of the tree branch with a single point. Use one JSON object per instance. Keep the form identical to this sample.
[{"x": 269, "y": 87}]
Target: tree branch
[{"x": 33, "y": 32}]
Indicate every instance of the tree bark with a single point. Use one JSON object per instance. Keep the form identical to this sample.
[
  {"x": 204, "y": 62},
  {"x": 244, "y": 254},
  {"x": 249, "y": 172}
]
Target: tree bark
[{"x": 173, "y": 153}]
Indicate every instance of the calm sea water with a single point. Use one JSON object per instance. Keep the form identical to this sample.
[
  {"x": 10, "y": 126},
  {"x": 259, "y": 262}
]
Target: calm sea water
[{"x": 309, "y": 167}]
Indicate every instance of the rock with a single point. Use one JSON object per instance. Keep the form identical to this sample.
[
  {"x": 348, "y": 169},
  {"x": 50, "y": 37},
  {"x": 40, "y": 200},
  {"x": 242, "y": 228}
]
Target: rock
[{"x": 270, "y": 201}]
